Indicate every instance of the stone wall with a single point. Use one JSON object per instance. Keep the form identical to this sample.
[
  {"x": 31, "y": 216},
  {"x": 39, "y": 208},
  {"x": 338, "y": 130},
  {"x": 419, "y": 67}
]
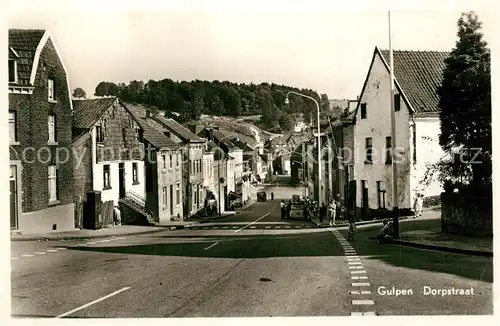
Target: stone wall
[{"x": 466, "y": 214}]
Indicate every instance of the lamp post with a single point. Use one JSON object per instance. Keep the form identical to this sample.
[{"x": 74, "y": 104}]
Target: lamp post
[
  {"x": 395, "y": 204},
  {"x": 319, "y": 139},
  {"x": 218, "y": 168}
]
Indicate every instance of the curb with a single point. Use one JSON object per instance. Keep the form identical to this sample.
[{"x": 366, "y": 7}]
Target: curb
[
  {"x": 441, "y": 248},
  {"x": 76, "y": 237},
  {"x": 346, "y": 224}
]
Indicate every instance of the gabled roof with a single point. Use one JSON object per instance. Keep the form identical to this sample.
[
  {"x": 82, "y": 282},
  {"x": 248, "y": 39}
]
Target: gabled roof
[
  {"x": 219, "y": 135},
  {"x": 25, "y": 42},
  {"x": 179, "y": 130},
  {"x": 87, "y": 112},
  {"x": 242, "y": 146},
  {"x": 419, "y": 74}
]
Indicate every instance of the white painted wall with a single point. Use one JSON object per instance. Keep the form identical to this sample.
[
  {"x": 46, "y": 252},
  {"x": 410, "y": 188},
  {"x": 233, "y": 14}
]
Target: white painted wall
[
  {"x": 113, "y": 193},
  {"x": 428, "y": 152},
  {"x": 377, "y": 125}
]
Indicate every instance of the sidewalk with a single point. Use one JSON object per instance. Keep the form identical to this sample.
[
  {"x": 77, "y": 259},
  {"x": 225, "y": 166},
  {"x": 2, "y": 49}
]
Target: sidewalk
[
  {"x": 435, "y": 240},
  {"x": 77, "y": 234},
  {"x": 206, "y": 219}
]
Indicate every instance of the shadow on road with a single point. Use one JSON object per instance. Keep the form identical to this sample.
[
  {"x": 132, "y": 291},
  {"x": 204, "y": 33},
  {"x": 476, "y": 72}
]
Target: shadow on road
[{"x": 236, "y": 246}]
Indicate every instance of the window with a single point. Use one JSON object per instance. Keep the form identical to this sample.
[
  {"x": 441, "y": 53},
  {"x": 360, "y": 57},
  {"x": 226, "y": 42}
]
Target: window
[
  {"x": 52, "y": 183},
  {"x": 135, "y": 173},
  {"x": 177, "y": 160},
  {"x": 13, "y": 125},
  {"x": 99, "y": 134},
  {"x": 388, "y": 152},
  {"x": 397, "y": 102},
  {"x": 381, "y": 194},
  {"x": 12, "y": 71},
  {"x": 195, "y": 195},
  {"x": 363, "y": 110},
  {"x": 164, "y": 198},
  {"x": 106, "y": 177},
  {"x": 164, "y": 160},
  {"x": 178, "y": 195},
  {"x": 52, "y": 128},
  {"x": 368, "y": 147},
  {"x": 50, "y": 84},
  {"x": 171, "y": 160}
]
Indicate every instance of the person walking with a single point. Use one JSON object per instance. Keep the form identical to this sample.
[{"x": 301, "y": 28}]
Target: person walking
[
  {"x": 352, "y": 228},
  {"x": 283, "y": 208},
  {"x": 272, "y": 195},
  {"x": 332, "y": 210},
  {"x": 419, "y": 201}
]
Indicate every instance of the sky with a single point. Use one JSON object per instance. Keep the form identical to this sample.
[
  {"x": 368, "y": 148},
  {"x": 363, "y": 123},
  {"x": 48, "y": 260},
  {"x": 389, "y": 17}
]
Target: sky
[{"x": 325, "y": 50}]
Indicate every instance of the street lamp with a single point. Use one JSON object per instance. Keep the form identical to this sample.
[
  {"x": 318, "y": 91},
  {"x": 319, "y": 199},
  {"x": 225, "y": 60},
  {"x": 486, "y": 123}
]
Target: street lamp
[{"x": 319, "y": 140}]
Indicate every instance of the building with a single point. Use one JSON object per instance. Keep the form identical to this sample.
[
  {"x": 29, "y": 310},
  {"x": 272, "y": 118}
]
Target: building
[
  {"x": 108, "y": 142},
  {"x": 219, "y": 179},
  {"x": 163, "y": 168},
  {"x": 192, "y": 159},
  {"x": 417, "y": 76},
  {"x": 209, "y": 185},
  {"x": 40, "y": 152}
]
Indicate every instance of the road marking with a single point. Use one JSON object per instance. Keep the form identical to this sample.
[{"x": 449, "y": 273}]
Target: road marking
[
  {"x": 354, "y": 263},
  {"x": 277, "y": 227},
  {"x": 27, "y": 255},
  {"x": 226, "y": 227},
  {"x": 367, "y": 313},
  {"x": 297, "y": 226},
  {"x": 353, "y": 259},
  {"x": 360, "y": 284},
  {"x": 252, "y": 227},
  {"x": 52, "y": 250},
  {"x": 234, "y": 227},
  {"x": 358, "y": 272},
  {"x": 260, "y": 218},
  {"x": 212, "y": 245},
  {"x": 40, "y": 253},
  {"x": 106, "y": 240},
  {"x": 14, "y": 258},
  {"x": 267, "y": 227},
  {"x": 363, "y": 302},
  {"x": 359, "y": 277},
  {"x": 91, "y": 303},
  {"x": 355, "y": 267},
  {"x": 287, "y": 227},
  {"x": 360, "y": 292},
  {"x": 61, "y": 248},
  {"x": 91, "y": 243},
  {"x": 351, "y": 254}
]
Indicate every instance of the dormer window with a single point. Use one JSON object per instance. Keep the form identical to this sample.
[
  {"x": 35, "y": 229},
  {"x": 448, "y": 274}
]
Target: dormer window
[
  {"x": 12, "y": 71},
  {"x": 50, "y": 86}
]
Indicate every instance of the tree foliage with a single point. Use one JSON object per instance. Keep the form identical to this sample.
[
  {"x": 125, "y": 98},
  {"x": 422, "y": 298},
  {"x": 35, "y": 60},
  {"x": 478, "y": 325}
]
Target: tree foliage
[
  {"x": 197, "y": 97},
  {"x": 465, "y": 105},
  {"x": 79, "y": 93}
]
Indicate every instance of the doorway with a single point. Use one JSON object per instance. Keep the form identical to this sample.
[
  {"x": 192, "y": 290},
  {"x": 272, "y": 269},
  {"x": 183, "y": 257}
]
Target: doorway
[
  {"x": 364, "y": 198},
  {"x": 121, "y": 180},
  {"x": 171, "y": 200},
  {"x": 13, "y": 197}
]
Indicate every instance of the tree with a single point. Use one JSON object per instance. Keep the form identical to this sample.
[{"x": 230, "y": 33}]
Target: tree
[
  {"x": 465, "y": 104},
  {"x": 216, "y": 105},
  {"x": 325, "y": 103},
  {"x": 286, "y": 122},
  {"x": 106, "y": 89},
  {"x": 79, "y": 93}
]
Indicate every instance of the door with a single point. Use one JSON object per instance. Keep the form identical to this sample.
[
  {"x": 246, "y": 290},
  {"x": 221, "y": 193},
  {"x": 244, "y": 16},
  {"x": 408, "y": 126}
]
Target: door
[
  {"x": 364, "y": 198},
  {"x": 121, "y": 180},
  {"x": 171, "y": 200},
  {"x": 13, "y": 197}
]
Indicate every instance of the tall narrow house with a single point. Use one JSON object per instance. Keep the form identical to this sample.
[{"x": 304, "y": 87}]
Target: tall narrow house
[{"x": 40, "y": 108}]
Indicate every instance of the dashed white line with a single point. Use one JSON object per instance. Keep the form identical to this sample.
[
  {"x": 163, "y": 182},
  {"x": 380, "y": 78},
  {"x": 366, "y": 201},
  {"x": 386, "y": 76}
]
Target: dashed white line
[
  {"x": 91, "y": 243},
  {"x": 267, "y": 227},
  {"x": 355, "y": 267},
  {"x": 354, "y": 263},
  {"x": 40, "y": 253},
  {"x": 52, "y": 250},
  {"x": 27, "y": 255},
  {"x": 359, "y": 277},
  {"x": 61, "y": 248},
  {"x": 363, "y": 302},
  {"x": 358, "y": 272},
  {"x": 14, "y": 258},
  {"x": 367, "y": 313},
  {"x": 360, "y": 284},
  {"x": 91, "y": 303},
  {"x": 212, "y": 245}
]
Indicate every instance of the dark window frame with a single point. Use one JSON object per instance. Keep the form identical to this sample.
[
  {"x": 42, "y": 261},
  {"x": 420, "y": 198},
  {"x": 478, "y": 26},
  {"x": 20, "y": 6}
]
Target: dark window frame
[
  {"x": 106, "y": 170},
  {"x": 368, "y": 150},
  {"x": 388, "y": 150},
  {"x": 397, "y": 102},
  {"x": 135, "y": 173},
  {"x": 363, "y": 110}
]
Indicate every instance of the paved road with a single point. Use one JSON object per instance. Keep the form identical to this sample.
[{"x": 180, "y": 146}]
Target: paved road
[{"x": 246, "y": 271}]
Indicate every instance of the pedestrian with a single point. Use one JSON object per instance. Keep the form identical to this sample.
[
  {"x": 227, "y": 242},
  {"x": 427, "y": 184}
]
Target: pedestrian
[
  {"x": 288, "y": 209},
  {"x": 272, "y": 195},
  {"x": 419, "y": 200},
  {"x": 352, "y": 228},
  {"x": 322, "y": 213},
  {"x": 333, "y": 211},
  {"x": 385, "y": 233},
  {"x": 117, "y": 220},
  {"x": 282, "y": 206}
]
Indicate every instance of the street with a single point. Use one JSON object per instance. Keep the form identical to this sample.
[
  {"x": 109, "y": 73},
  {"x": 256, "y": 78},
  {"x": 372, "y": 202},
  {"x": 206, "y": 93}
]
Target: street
[{"x": 247, "y": 265}]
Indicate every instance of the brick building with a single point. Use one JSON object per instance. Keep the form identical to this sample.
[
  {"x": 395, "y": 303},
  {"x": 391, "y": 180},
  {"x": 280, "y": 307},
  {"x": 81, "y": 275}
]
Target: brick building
[{"x": 40, "y": 108}]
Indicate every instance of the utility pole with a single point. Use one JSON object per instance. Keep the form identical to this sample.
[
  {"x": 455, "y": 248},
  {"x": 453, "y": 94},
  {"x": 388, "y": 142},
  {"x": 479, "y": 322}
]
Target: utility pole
[{"x": 395, "y": 204}]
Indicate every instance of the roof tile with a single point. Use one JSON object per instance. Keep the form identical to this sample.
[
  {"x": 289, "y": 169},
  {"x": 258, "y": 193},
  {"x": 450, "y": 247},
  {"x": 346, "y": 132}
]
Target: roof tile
[{"x": 25, "y": 42}]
